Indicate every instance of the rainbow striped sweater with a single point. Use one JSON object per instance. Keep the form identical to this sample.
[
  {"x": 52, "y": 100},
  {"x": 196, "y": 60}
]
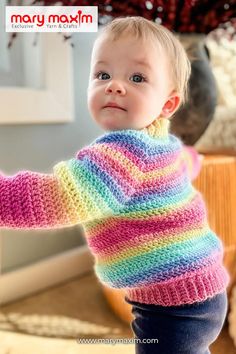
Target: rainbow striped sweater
[{"x": 144, "y": 221}]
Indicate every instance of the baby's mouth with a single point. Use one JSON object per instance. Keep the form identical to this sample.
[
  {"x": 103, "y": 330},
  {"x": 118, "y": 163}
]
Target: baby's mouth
[
  {"x": 118, "y": 108},
  {"x": 114, "y": 106}
]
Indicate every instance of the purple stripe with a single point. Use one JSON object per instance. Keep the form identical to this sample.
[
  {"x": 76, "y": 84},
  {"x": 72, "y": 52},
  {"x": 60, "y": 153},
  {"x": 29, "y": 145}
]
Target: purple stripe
[{"x": 185, "y": 269}]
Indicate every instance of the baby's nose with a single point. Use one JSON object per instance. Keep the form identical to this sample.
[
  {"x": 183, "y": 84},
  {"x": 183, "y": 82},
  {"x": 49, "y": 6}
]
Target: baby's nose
[{"x": 115, "y": 87}]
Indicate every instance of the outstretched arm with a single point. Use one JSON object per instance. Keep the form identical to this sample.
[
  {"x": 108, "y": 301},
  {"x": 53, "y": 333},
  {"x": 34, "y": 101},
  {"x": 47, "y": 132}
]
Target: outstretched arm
[{"x": 97, "y": 182}]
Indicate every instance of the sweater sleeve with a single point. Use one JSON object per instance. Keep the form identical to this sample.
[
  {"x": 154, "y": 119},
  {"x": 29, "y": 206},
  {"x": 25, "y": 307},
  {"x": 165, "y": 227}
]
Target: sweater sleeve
[
  {"x": 31, "y": 200},
  {"x": 95, "y": 184},
  {"x": 193, "y": 161}
]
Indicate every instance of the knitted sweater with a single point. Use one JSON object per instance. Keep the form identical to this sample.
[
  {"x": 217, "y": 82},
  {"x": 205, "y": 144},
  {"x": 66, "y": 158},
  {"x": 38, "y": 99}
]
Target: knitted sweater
[{"x": 144, "y": 221}]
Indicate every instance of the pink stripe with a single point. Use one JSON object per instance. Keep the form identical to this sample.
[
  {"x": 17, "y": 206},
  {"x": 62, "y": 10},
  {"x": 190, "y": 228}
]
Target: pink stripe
[
  {"x": 161, "y": 161},
  {"x": 154, "y": 162},
  {"x": 127, "y": 180},
  {"x": 111, "y": 150},
  {"x": 113, "y": 222},
  {"x": 143, "y": 239},
  {"x": 162, "y": 183},
  {"x": 31, "y": 200},
  {"x": 128, "y": 230}
]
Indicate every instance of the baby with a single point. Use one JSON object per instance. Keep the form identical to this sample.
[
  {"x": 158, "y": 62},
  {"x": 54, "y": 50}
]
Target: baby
[{"x": 131, "y": 190}]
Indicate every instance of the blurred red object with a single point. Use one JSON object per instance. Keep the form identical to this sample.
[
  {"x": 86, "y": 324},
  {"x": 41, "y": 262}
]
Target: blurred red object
[{"x": 199, "y": 16}]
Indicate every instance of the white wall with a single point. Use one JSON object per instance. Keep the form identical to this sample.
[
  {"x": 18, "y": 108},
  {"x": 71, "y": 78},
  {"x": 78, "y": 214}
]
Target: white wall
[{"x": 38, "y": 148}]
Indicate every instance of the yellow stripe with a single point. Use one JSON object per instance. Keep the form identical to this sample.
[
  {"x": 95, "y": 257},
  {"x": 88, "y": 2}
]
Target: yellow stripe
[
  {"x": 75, "y": 196},
  {"x": 146, "y": 247},
  {"x": 162, "y": 172},
  {"x": 134, "y": 170},
  {"x": 128, "y": 164}
]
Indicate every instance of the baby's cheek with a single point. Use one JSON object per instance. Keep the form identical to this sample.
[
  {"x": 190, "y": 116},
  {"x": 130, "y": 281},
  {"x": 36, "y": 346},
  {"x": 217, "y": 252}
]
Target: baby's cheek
[
  {"x": 93, "y": 99},
  {"x": 134, "y": 117},
  {"x": 135, "y": 112}
]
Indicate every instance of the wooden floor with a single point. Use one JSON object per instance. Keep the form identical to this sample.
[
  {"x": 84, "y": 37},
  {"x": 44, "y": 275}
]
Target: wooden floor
[{"x": 76, "y": 309}]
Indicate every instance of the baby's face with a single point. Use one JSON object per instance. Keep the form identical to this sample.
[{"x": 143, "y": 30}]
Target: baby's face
[{"x": 129, "y": 83}]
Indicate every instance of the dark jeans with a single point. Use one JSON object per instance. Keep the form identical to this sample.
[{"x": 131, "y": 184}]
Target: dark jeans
[{"x": 184, "y": 329}]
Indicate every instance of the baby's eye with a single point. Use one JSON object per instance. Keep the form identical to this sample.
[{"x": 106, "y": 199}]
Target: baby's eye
[
  {"x": 138, "y": 78},
  {"x": 102, "y": 76}
]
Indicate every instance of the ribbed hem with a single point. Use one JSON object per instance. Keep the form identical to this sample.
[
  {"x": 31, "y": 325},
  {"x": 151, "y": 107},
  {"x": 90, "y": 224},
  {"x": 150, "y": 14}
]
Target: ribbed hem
[{"x": 196, "y": 288}]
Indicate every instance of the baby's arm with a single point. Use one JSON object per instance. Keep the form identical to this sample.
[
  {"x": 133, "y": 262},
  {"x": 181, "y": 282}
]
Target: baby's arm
[
  {"x": 34, "y": 200},
  {"x": 97, "y": 182},
  {"x": 193, "y": 160}
]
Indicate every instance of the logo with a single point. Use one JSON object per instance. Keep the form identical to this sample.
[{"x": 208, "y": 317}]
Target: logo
[{"x": 51, "y": 18}]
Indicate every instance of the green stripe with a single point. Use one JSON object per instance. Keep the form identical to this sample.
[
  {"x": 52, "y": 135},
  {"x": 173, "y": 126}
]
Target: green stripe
[
  {"x": 94, "y": 186},
  {"x": 177, "y": 251}
]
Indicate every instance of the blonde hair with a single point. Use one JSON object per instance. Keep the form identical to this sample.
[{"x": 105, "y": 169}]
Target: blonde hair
[{"x": 144, "y": 29}]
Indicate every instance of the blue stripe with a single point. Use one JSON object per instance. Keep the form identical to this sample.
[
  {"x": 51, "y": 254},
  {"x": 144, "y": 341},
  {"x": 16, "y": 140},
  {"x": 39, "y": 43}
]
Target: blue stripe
[
  {"x": 114, "y": 273},
  {"x": 155, "y": 201},
  {"x": 140, "y": 143},
  {"x": 97, "y": 177},
  {"x": 166, "y": 190}
]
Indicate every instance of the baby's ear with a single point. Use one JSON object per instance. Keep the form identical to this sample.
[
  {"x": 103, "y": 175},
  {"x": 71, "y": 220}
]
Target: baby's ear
[{"x": 171, "y": 105}]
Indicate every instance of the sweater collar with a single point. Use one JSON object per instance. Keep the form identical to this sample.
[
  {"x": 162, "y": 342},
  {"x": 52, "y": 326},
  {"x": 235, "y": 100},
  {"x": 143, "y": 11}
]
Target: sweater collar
[{"x": 159, "y": 128}]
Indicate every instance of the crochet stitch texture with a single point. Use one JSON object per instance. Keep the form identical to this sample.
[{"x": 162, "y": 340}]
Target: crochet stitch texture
[{"x": 144, "y": 221}]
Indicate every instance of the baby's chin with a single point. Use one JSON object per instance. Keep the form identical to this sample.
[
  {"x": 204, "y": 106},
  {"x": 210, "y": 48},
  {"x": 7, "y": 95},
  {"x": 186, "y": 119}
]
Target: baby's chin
[
  {"x": 111, "y": 125},
  {"x": 114, "y": 125}
]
